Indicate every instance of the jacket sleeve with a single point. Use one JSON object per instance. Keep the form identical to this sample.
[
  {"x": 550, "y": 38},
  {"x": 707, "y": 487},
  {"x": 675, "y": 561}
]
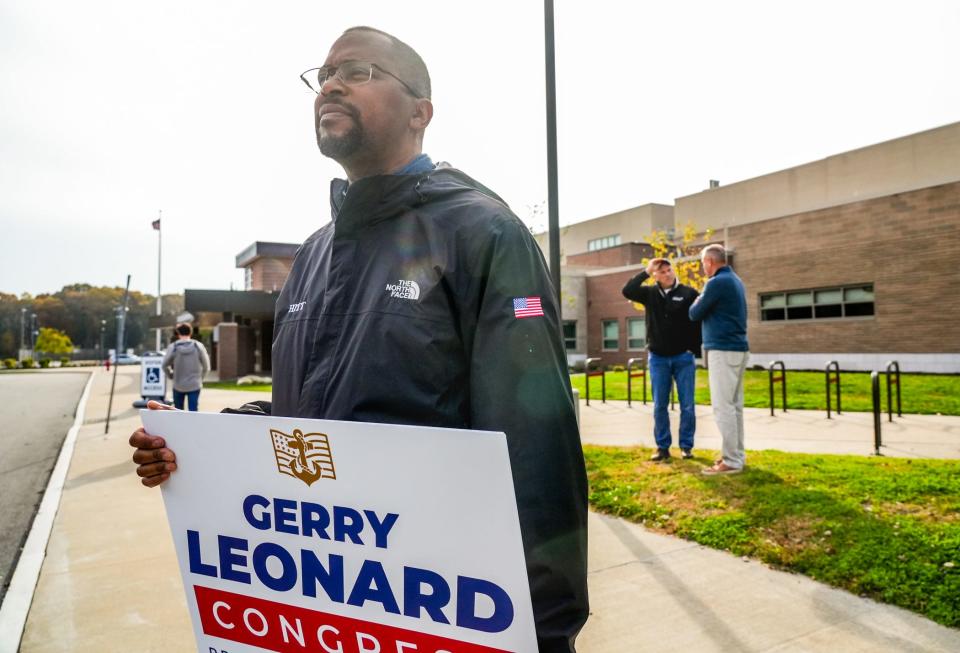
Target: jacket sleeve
[
  {"x": 204, "y": 360},
  {"x": 519, "y": 385},
  {"x": 705, "y": 302},
  {"x": 635, "y": 291},
  {"x": 168, "y": 362}
]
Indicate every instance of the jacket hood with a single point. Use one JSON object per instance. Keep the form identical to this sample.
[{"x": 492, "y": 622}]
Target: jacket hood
[{"x": 181, "y": 347}]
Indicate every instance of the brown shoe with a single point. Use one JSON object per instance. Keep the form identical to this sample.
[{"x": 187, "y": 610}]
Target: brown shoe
[{"x": 721, "y": 468}]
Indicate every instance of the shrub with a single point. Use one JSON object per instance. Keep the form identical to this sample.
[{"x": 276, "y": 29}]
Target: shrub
[
  {"x": 64, "y": 362},
  {"x": 9, "y": 363},
  {"x": 44, "y": 363},
  {"x": 616, "y": 368},
  {"x": 26, "y": 363}
]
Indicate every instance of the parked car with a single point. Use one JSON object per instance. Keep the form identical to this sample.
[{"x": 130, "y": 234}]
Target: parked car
[{"x": 125, "y": 359}]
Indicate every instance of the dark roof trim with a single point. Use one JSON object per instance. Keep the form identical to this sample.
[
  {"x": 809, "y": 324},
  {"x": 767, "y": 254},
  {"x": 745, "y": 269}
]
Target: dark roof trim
[
  {"x": 249, "y": 303},
  {"x": 261, "y": 249}
]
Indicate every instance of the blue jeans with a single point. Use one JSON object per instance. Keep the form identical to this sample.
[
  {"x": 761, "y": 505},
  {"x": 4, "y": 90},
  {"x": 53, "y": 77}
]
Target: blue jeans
[
  {"x": 663, "y": 371},
  {"x": 193, "y": 398}
]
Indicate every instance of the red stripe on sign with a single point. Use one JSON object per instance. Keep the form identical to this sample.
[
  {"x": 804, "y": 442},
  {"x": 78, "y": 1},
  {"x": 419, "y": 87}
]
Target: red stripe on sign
[{"x": 273, "y": 626}]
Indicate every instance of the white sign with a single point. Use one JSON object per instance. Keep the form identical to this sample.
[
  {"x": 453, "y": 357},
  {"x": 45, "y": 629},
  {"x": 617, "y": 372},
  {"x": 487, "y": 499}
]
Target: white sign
[
  {"x": 153, "y": 382},
  {"x": 299, "y": 535}
]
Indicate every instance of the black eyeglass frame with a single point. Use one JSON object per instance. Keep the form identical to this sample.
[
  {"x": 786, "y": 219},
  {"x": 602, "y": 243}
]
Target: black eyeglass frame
[{"x": 336, "y": 73}]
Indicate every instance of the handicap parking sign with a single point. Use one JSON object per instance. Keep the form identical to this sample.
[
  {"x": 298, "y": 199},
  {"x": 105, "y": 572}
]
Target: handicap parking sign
[{"x": 153, "y": 383}]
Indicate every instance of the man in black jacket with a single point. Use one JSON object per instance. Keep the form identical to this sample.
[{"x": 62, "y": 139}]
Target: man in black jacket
[
  {"x": 673, "y": 342},
  {"x": 426, "y": 301}
]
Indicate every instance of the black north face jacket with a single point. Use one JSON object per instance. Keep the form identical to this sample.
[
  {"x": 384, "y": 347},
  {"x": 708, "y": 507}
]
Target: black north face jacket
[{"x": 402, "y": 311}]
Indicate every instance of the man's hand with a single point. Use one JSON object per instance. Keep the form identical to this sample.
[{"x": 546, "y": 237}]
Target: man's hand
[
  {"x": 154, "y": 461},
  {"x": 650, "y": 269}
]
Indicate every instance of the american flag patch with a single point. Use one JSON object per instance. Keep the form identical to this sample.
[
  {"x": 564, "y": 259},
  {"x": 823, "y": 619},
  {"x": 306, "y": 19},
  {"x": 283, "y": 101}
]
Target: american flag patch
[{"x": 526, "y": 307}]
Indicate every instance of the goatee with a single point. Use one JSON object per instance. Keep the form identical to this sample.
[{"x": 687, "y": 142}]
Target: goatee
[{"x": 341, "y": 147}]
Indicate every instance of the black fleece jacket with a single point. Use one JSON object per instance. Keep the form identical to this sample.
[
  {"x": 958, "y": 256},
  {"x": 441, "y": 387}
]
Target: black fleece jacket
[{"x": 669, "y": 329}]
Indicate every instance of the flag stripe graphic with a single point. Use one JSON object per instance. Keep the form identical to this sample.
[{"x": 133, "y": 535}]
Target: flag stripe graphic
[{"x": 527, "y": 307}]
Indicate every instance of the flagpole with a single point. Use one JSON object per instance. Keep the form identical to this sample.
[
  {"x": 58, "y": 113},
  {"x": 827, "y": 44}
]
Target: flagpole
[{"x": 159, "y": 250}]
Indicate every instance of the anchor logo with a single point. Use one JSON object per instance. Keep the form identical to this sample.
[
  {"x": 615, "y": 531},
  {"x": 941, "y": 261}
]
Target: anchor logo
[{"x": 304, "y": 456}]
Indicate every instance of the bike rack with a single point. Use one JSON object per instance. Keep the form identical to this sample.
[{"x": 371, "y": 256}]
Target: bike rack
[
  {"x": 832, "y": 366},
  {"x": 896, "y": 367},
  {"x": 877, "y": 420},
  {"x": 600, "y": 373},
  {"x": 782, "y": 380},
  {"x": 641, "y": 373}
]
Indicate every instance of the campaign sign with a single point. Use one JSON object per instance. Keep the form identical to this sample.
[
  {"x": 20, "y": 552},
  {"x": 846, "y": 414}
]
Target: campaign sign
[
  {"x": 153, "y": 382},
  {"x": 301, "y": 535}
]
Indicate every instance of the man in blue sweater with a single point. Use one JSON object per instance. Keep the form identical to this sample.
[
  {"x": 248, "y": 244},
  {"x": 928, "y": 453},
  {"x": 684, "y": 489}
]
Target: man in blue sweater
[{"x": 722, "y": 307}]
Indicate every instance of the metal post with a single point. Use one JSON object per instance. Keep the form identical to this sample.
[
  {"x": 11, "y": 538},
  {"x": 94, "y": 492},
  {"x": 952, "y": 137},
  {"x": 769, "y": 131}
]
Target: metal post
[
  {"x": 642, "y": 374},
  {"x": 23, "y": 314},
  {"x": 646, "y": 368},
  {"x": 159, "y": 240},
  {"x": 832, "y": 366},
  {"x": 783, "y": 383},
  {"x": 586, "y": 375},
  {"x": 770, "y": 377},
  {"x": 33, "y": 336},
  {"x": 895, "y": 366},
  {"x": 122, "y": 312},
  {"x": 553, "y": 194},
  {"x": 875, "y": 387}
]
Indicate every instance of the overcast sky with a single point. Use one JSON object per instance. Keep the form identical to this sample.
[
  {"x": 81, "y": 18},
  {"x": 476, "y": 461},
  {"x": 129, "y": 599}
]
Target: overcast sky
[{"x": 111, "y": 111}]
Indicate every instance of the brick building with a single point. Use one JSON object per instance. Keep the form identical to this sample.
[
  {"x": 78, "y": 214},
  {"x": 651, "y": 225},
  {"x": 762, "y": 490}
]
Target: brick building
[
  {"x": 850, "y": 258},
  {"x": 242, "y": 320}
]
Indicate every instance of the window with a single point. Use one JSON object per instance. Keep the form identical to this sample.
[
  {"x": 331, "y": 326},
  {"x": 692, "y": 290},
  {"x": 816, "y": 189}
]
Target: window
[
  {"x": 248, "y": 278},
  {"x": 824, "y": 303},
  {"x": 570, "y": 335},
  {"x": 603, "y": 243},
  {"x": 611, "y": 335},
  {"x": 636, "y": 333}
]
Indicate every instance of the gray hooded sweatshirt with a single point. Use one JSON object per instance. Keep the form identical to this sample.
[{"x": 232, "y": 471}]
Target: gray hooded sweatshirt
[{"x": 186, "y": 362}]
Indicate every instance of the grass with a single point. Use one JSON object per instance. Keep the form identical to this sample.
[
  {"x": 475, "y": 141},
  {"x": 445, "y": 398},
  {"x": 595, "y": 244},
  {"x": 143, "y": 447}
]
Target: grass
[
  {"x": 884, "y": 528},
  {"x": 230, "y": 385},
  {"x": 926, "y": 394}
]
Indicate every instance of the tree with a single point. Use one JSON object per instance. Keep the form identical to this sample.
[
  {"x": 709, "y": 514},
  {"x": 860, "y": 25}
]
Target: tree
[
  {"x": 53, "y": 341},
  {"x": 683, "y": 251}
]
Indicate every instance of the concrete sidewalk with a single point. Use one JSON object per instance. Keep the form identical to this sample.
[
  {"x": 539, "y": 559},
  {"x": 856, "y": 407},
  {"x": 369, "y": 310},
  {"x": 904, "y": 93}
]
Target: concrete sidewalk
[
  {"x": 799, "y": 431},
  {"x": 110, "y": 581}
]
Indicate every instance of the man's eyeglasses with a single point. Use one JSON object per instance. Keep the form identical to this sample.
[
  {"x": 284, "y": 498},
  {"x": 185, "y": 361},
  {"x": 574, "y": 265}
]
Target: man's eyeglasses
[{"x": 351, "y": 73}]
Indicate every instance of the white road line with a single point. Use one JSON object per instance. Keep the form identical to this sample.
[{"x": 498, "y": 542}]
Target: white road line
[{"x": 19, "y": 596}]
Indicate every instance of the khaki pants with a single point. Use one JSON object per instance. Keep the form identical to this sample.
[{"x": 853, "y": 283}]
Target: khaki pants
[{"x": 726, "y": 369}]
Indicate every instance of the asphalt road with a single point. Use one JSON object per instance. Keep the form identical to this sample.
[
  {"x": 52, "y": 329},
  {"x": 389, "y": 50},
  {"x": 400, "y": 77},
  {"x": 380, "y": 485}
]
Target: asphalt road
[{"x": 36, "y": 411}]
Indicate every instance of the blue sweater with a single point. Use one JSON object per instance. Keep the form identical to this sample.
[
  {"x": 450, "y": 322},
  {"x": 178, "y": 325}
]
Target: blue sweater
[{"x": 723, "y": 309}]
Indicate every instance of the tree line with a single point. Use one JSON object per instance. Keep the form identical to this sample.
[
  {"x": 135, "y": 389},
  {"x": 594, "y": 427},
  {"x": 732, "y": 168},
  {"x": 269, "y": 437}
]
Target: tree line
[{"x": 79, "y": 310}]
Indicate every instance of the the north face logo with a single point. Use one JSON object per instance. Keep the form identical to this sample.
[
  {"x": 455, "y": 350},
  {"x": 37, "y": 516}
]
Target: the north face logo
[{"x": 404, "y": 289}]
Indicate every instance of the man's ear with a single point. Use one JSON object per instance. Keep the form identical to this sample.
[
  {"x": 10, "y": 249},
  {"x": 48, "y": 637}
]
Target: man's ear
[{"x": 422, "y": 114}]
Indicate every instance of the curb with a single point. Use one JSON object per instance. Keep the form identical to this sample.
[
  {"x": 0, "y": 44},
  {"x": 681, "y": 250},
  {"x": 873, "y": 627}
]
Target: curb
[{"x": 19, "y": 596}]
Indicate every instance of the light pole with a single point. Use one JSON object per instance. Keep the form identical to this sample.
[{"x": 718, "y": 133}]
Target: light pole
[
  {"x": 103, "y": 328},
  {"x": 33, "y": 335},
  {"x": 23, "y": 315}
]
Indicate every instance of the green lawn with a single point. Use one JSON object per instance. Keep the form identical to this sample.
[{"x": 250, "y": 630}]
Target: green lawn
[
  {"x": 926, "y": 394},
  {"x": 885, "y": 528},
  {"x": 921, "y": 393},
  {"x": 230, "y": 385}
]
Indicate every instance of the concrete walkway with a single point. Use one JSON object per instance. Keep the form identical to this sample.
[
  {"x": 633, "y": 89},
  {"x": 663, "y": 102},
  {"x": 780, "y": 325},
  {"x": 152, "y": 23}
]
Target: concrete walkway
[
  {"x": 110, "y": 581},
  {"x": 799, "y": 431}
]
